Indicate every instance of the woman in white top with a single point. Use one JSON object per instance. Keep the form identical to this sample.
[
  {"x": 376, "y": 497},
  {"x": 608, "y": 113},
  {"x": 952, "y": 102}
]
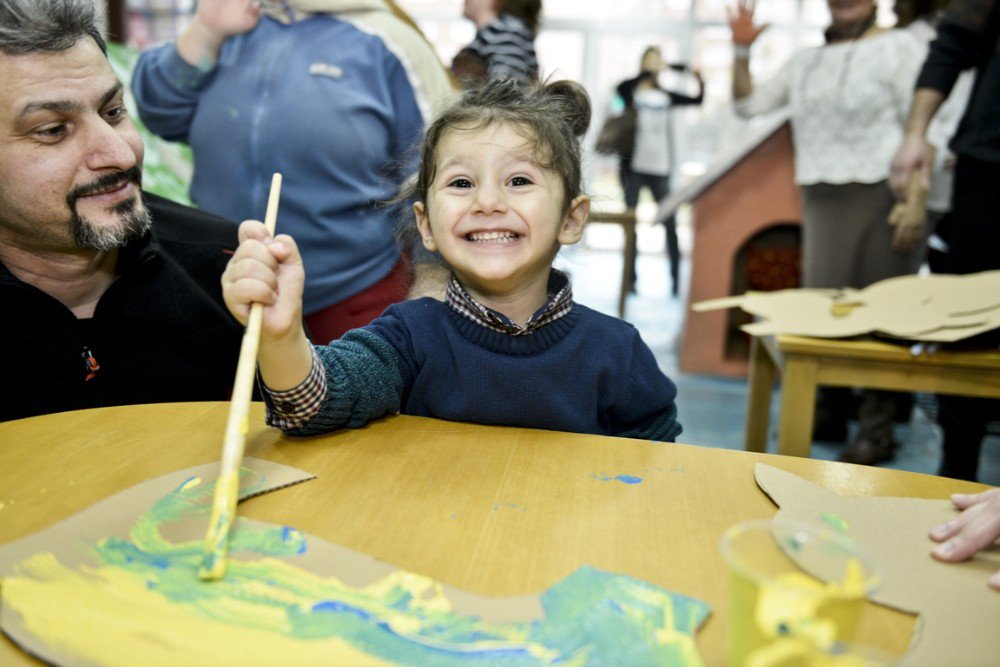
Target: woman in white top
[{"x": 848, "y": 100}]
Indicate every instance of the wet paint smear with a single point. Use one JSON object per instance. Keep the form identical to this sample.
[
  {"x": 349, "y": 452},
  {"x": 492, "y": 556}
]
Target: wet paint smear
[
  {"x": 624, "y": 479},
  {"x": 834, "y": 521},
  {"x": 266, "y": 609}
]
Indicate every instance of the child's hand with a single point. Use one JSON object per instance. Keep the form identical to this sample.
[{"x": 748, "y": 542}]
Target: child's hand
[
  {"x": 268, "y": 271},
  {"x": 977, "y": 527}
]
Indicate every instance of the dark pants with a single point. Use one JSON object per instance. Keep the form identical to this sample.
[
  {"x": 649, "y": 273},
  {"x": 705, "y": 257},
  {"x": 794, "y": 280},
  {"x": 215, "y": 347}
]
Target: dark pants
[
  {"x": 846, "y": 242},
  {"x": 632, "y": 183},
  {"x": 973, "y": 238}
]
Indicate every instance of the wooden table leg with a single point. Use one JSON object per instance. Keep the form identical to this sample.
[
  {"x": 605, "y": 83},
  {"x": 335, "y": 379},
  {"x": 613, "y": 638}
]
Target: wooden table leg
[
  {"x": 760, "y": 381},
  {"x": 798, "y": 406},
  {"x": 628, "y": 277}
]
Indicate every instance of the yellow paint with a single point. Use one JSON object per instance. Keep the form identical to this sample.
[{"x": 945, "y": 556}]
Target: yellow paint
[
  {"x": 793, "y": 610},
  {"x": 217, "y": 539},
  {"x": 106, "y": 616}
]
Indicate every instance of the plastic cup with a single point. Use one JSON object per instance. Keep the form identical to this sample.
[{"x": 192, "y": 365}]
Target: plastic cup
[{"x": 794, "y": 588}]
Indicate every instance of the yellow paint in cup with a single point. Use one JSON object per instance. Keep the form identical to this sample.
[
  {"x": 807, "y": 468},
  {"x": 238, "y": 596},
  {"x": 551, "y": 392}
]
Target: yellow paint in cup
[{"x": 793, "y": 586}]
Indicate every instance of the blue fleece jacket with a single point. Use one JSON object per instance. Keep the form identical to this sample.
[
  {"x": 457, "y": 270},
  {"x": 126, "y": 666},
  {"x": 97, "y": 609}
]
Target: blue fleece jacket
[
  {"x": 585, "y": 373},
  {"x": 325, "y": 104}
]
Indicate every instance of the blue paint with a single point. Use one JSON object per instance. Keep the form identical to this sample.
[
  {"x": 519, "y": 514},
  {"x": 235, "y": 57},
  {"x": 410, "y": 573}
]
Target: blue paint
[
  {"x": 624, "y": 479},
  {"x": 629, "y": 479}
]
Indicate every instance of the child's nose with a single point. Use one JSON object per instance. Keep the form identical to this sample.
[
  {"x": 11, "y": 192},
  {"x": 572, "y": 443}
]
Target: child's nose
[{"x": 490, "y": 199}]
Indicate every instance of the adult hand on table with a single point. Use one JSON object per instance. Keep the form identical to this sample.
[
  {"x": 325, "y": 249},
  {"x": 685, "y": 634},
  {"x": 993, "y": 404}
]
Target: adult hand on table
[{"x": 976, "y": 528}]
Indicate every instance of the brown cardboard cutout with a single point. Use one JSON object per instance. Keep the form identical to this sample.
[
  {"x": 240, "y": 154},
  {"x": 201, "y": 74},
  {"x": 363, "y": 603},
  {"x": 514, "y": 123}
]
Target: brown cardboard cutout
[
  {"x": 117, "y": 584},
  {"x": 959, "y": 614},
  {"x": 933, "y": 308}
]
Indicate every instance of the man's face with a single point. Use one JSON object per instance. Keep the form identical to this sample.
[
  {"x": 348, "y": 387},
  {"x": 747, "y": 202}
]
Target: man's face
[{"x": 70, "y": 157}]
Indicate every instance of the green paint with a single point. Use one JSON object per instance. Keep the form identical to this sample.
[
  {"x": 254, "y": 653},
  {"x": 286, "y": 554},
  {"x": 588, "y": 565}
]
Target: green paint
[
  {"x": 591, "y": 617},
  {"x": 834, "y": 521}
]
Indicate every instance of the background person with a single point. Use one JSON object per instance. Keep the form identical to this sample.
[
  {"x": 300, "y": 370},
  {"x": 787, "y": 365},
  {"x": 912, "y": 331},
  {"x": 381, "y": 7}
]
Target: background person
[
  {"x": 649, "y": 163},
  {"x": 504, "y": 45},
  {"x": 112, "y": 296},
  {"x": 847, "y": 101},
  {"x": 968, "y": 35},
  {"x": 332, "y": 94}
]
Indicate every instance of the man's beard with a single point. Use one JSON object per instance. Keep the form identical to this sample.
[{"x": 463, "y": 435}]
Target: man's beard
[{"x": 134, "y": 219}]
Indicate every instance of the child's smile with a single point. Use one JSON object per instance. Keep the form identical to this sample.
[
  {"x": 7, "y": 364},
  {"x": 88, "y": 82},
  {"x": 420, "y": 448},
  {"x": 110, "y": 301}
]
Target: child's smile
[{"x": 496, "y": 216}]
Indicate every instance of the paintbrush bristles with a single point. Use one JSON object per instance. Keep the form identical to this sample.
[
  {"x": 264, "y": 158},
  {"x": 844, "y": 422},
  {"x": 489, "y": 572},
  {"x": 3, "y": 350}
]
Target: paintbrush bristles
[{"x": 227, "y": 486}]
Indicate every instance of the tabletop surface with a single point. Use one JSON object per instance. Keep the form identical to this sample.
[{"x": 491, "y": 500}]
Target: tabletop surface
[
  {"x": 494, "y": 510},
  {"x": 870, "y": 348}
]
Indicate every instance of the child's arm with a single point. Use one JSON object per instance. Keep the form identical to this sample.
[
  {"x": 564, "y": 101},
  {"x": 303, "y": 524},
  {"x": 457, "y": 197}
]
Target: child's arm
[
  {"x": 644, "y": 405},
  {"x": 269, "y": 271}
]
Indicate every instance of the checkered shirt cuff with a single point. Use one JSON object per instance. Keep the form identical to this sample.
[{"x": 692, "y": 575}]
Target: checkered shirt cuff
[{"x": 290, "y": 409}]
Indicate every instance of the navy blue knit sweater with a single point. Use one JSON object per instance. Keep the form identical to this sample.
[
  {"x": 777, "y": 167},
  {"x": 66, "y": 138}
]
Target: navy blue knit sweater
[{"x": 585, "y": 372}]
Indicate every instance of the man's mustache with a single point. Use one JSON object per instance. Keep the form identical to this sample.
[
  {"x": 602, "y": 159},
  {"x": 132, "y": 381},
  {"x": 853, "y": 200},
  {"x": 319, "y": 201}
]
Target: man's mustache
[{"x": 105, "y": 182}]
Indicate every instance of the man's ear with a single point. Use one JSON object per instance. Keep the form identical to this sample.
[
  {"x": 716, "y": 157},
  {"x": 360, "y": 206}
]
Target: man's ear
[
  {"x": 575, "y": 219},
  {"x": 424, "y": 226}
]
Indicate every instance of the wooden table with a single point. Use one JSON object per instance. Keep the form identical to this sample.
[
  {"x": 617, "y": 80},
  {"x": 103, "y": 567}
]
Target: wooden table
[
  {"x": 501, "y": 511},
  {"x": 806, "y": 363}
]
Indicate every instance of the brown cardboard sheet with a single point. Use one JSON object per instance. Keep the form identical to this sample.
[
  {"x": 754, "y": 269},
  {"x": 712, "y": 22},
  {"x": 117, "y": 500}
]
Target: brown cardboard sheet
[
  {"x": 932, "y": 308},
  {"x": 959, "y": 615}
]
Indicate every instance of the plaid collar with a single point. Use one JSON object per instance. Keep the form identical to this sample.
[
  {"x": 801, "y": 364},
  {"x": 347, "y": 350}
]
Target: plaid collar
[{"x": 560, "y": 303}]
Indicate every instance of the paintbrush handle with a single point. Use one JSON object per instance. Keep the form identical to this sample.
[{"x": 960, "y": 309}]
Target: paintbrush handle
[
  {"x": 239, "y": 407},
  {"x": 227, "y": 485}
]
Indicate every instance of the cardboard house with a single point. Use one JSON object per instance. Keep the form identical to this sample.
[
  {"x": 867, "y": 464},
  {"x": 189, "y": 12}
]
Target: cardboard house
[{"x": 746, "y": 215}]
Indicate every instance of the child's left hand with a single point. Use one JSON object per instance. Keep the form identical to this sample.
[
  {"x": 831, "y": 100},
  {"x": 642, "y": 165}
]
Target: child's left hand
[{"x": 976, "y": 528}]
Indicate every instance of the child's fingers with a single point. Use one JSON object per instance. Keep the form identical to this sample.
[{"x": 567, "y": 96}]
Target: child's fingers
[
  {"x": 284, "y": 249},
  {"x": 253, "y": 229},
  {"x": 964, "y": 500},
  {"x": 980, "y": 531},
  {"x": 949, "y": 529}
]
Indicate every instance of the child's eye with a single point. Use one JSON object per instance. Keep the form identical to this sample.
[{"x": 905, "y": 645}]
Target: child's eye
[
  {"x": 521, "y": 180},
  {"x": 460, "y": 183}
]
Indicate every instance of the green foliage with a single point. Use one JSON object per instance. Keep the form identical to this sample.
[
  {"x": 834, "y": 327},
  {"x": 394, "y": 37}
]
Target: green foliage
[{"x": 167, "y": 166}]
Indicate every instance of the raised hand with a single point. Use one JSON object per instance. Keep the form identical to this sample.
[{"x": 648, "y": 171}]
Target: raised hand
[
  {"x": 740, "y": 18},
  {"x": 226, "y": 18}
]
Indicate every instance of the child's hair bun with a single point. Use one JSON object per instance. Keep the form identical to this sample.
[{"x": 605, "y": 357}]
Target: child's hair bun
[{"x": 575, "y": 101}]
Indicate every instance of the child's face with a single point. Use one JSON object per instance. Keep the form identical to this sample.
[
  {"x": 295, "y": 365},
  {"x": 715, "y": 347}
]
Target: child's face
[{"x": 493, "y": 213}]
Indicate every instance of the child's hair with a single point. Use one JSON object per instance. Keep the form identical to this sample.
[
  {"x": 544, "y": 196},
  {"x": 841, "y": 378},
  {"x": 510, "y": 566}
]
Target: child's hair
[{"x": 552, "y": 116}]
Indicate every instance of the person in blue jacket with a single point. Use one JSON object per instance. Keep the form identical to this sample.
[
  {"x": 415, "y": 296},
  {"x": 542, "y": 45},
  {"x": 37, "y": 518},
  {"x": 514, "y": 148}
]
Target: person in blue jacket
[
  {"x": 332, "y": 94},
  {"x": 497, "y": 193}
]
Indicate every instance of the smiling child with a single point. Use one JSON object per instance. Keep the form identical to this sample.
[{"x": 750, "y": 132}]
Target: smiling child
[{"x": 498, "y": 193}]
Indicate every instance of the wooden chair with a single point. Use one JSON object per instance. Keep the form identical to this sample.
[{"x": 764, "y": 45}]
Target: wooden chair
[{"x": 627, "y": 220}]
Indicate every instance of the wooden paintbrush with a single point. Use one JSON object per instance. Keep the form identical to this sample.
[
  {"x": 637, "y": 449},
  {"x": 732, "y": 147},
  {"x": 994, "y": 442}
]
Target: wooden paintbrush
[{"x": 227, "y": 486}]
